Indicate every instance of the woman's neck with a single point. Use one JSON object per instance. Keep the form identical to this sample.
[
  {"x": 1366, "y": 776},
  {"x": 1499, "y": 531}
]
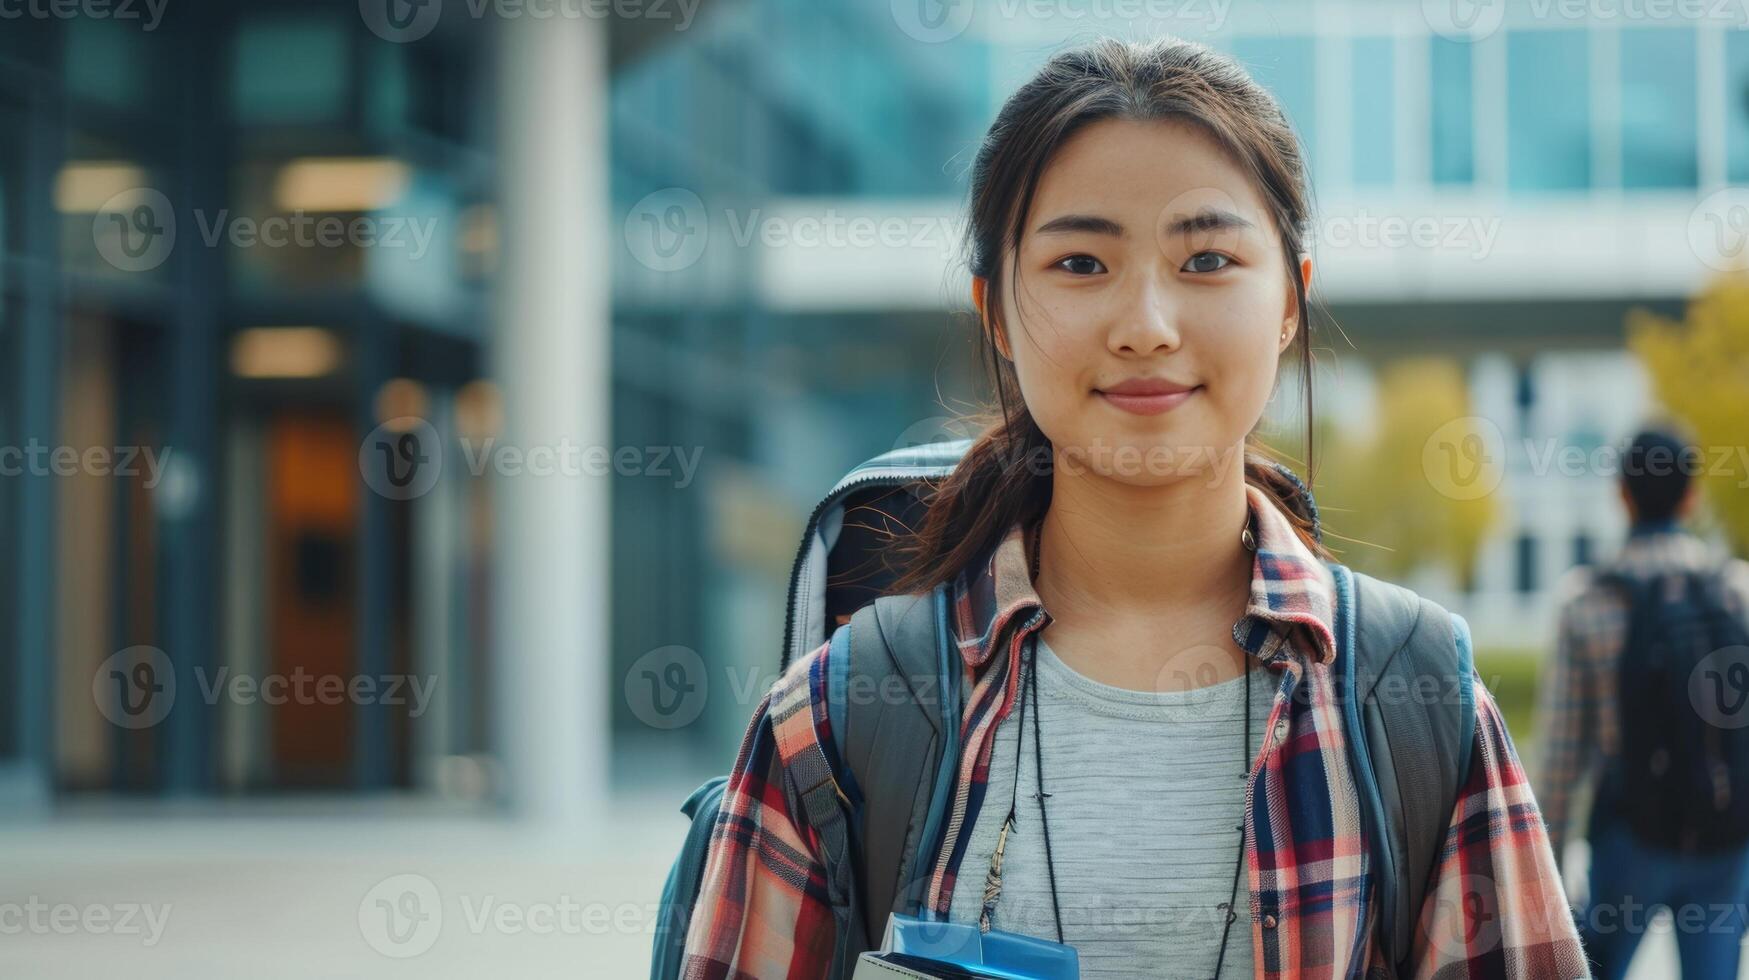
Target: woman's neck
[{"x": 1163, "y": 553}]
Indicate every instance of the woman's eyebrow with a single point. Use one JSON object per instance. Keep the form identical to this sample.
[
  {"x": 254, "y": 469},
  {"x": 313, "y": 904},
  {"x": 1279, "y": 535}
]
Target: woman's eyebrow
[
  {"x": 1091, "y": 223},
  {"x": 1207, "y": 219}
]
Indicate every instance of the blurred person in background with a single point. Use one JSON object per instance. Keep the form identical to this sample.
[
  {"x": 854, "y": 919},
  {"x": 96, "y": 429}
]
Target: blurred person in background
[{"x": 1644, "y": 696}]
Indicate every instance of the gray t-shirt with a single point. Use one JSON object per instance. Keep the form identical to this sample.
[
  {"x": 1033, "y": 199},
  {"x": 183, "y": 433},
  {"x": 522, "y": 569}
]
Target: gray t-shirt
[{"x": 1146, "y": 800}]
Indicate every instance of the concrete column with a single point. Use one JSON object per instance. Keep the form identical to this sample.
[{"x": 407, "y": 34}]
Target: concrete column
[{"x": 550, "y": 363}]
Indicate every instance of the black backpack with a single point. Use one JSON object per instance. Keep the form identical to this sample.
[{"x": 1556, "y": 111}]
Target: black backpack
[
  {"x": 879, "y": 856},
  {"x": 1681, "y": 778}
]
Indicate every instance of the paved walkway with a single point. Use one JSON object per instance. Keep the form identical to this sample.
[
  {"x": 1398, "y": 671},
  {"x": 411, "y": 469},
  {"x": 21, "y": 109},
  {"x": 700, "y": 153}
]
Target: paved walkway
[{"x": 264, "y": 897}]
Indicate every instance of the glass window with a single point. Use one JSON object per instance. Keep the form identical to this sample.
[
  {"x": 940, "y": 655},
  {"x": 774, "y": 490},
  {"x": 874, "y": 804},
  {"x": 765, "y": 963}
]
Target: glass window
[
  {"x": 1375, "y": 128},
  {"x": 1454, "y": 160},
  {"x": 291, "y": 72},
  {"x": 106, "y": 63},
  {"x": 1548, "y": 110},
  {"x": 1737, "y": 105},
  {"x": 115, "y": 219},
  {"x": 1285, "y": 65},
  {"x": 12, "y": 693},
  {"x": 14, "y": 119},
  {"x": 1526, "y": 566},
  {"x": 1657, "y": 108}
]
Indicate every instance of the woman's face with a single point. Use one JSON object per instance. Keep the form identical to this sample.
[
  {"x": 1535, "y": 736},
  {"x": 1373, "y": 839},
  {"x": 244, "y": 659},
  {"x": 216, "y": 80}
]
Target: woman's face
[{"x": 1154, "y": 303}]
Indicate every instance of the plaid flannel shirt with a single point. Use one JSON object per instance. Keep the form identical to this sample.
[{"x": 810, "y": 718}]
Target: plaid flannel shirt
[
  {"x": 1495, "y": 906},
  {"x": 1577, "y": 725}
]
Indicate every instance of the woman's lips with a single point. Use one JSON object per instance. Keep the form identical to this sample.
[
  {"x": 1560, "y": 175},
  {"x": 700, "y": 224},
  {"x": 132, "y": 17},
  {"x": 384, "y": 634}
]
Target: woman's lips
[{"x": 1148, "y": 404}]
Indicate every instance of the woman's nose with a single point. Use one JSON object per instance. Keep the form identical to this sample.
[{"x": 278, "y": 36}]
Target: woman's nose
[{"x": 1147, "y": 320}]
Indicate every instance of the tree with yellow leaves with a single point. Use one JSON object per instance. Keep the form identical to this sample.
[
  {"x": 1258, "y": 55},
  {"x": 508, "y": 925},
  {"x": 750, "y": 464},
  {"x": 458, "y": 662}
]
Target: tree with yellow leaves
[{"x": 1386, "y": 498}]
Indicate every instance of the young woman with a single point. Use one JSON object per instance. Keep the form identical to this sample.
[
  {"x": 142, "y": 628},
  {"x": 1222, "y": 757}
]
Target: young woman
[{"x": 1137, "y": 213}]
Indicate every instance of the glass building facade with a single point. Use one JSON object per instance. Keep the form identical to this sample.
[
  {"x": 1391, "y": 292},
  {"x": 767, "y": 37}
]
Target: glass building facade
[{"x": 253, "y": 372}]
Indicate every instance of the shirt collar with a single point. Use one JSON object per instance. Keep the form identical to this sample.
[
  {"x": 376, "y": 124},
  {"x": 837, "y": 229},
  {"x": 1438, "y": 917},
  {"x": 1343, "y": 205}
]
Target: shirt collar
[
  {"x": 1290, "y": 587},
  {"x": 1644, "y": 528}
]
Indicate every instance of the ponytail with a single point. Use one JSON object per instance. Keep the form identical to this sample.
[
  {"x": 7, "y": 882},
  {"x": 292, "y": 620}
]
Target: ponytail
[
  {"x": 1291, "y": 497},
  {"x": 1003, "y": 478}
]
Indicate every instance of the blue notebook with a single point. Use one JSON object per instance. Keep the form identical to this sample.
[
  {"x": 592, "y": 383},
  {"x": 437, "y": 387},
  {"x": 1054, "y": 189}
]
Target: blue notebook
[{"x": 917, "y": 948}]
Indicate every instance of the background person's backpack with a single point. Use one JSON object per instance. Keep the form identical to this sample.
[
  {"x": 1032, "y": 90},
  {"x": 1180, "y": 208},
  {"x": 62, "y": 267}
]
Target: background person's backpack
[
  {"x": 1681, "y": 778},
  {"x": 878, "y": 856}
]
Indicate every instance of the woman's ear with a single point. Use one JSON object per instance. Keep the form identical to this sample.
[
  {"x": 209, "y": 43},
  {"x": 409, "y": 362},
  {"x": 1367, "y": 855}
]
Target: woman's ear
[
  {"x": 1290, "y": 319},
  {"x": 998, "y": 336}
]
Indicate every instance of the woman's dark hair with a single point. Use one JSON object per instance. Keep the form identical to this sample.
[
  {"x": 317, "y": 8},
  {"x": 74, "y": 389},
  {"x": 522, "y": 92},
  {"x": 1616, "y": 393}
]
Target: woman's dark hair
[{"x": 1001, "y": 479}]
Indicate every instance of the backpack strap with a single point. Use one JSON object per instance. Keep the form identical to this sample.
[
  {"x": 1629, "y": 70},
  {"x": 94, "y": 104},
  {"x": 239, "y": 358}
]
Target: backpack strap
[
  {"x": 816, "y": 780},
  {"x": 900, "y": 722},
  {"x": 893, "y": 711},
  {"x": 1409, "y": 708}
]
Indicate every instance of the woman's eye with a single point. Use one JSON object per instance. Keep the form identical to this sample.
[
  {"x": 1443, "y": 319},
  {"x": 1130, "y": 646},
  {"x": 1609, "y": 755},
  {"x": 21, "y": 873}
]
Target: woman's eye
[
  {"x": 1207, "y": 262},
  {"x": 1082, "y": 265}
]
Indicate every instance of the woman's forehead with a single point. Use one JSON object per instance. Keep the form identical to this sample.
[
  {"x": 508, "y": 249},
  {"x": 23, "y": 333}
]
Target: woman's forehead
[{"x": 1143, "y": 173}]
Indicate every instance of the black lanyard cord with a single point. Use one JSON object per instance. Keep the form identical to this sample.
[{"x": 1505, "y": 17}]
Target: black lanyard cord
[
  {"x": 1038, "y": 774},
  {"x": 1238, "y": 865},
  {"x": 1029, "y": 688}
]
